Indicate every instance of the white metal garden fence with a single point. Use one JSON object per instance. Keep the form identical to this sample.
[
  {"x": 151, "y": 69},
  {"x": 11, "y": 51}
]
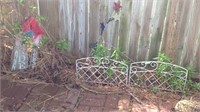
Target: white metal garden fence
[{"x": 146, "y": 74}]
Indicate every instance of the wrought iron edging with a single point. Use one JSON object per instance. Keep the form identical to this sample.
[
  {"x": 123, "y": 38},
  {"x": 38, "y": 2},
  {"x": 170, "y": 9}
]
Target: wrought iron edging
[
  {"x": 152, "y": 73},
  {"x": 144, "y": 73},
  {"x": 97, "y": 70}
]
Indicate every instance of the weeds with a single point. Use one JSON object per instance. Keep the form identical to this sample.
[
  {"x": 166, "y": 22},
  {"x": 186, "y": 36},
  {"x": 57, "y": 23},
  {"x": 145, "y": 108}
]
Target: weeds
[
  {"x": 176, "y": 80},
  {"x": 62, "y": 44},
  {"x": 101, "y": 51}
]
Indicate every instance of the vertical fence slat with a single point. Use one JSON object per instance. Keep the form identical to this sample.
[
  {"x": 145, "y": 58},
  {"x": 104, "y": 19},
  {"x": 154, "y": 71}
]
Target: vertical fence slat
[
  {"x": 135, "y": 28},
  {"x": 141, "y": 24},
  {"x": 185, "y": 54},
  {"x": 195, "y": 34},
  {"x": 94, "y": 23},
  {"x": 124, "y": 26},
  {"x": 81, "y": 26},
  {"x": 87, "y": 28},
  {"x": 181, "y": 29},
  {"x": 170, "y": 47},
  {"x": 109, "y": 36},
  {"x": 156, "y": 28}
]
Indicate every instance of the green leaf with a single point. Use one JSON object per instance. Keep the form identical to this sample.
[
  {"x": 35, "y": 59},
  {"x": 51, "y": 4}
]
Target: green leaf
[
  {"x": 109, "y": 72},
  {"x": 62, "y": 45},
  {"x": 21, "y": 2},
  {"x": 41, "y": 18}
]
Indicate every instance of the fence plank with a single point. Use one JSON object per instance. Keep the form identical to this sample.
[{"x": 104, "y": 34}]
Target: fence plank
[
  {"x": 156, "y": 28},
  {"x": 170, "y": 48},
  {"x": 186, "y": 34},
  {"x": 145, "y": 33},
  {"x": 81, "y": 27},
  {"x": 184, "y": 16},
  {"x": 194, "y": 35},
  {"x": 135, "y": 28},
  {"x": 124, "y": 29},
  {"x": 110, "y": 35},
  {"x": 50, "y": 9}
]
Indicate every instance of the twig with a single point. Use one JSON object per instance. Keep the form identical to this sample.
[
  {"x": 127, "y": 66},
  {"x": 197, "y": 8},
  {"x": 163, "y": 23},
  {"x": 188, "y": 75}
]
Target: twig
[
  {"x": 52, "y": 97},
  {"x": 98, "y": 92},
  {"x": 138, "y": 100}
]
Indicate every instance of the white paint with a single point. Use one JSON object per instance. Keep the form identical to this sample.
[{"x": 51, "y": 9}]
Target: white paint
[
  {"x": 14, "y": 61},
  {"x": 19, "y": 56},
  {"x": 22, "y": 60}
]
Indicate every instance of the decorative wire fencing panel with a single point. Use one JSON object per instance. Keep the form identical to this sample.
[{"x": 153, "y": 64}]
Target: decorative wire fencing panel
[
  {"x": 158, "y": 75},
  {"x": 101, "y": 71}
]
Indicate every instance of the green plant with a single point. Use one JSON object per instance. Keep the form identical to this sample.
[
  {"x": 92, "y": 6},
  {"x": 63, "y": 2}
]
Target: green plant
[
  {"x": 167, "y": 70},
  {"x": 162, "y": 68},
  {"x": 191, "y": 85},
  {"x": 116, "y": 54},
  {"x": 43, "y": 41},
  {"x": 33, "y": 8},
  {"x": 191, "y": 72},
  {"x": 196, "y": 86},
  {"x": 27, "y": 41},
  {"x": 16, "y": 28},
  {"x": 154, "y": 90},
  {"x": 99, "y": 51},
  {"x": 109, "y": 72},
  {"x": 21, "y": 2},
  {"x": 176, "y": 82},
  {"x": 41, "y": 18},
  {"x": 162, "y": 57},
  {"x": 62, "y": 44}
]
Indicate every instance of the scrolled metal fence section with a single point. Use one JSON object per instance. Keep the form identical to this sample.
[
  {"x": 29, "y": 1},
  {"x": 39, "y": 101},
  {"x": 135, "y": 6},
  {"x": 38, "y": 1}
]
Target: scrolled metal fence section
[
  {"x": 158, "y": 75},
  {"x": 146, "y": 74},
  {"x": 102, "y": 71}
]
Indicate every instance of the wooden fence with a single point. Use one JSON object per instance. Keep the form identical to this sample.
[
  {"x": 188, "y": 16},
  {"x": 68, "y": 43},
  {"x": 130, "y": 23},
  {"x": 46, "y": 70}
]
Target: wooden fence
[{"x": 145, "y": 28}]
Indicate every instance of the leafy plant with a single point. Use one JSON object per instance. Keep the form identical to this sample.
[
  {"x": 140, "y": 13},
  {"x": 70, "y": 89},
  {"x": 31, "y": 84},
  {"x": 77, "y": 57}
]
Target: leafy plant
[
  {"x": 100, "y": 51},
  {"x": 41, "y": 18},
  {"x": 109, "y": 72},
  {"x": 21, "y": 2},
  {"x": 16, "y": 28},
  {"x": 117, "y": 54},
  {"x": 196, "y": 86},
  {"x": 162, "y": 68},
  {"x": 154, "y": 90},
  {"x": 33, "y": 8},
  {"x": 28, "y": 42},
  {"x": 191, "y": 72},
  {"x": 191, "y": 85},
  {"x": 44, "y": 40},
  {"x": 62, "y": 44},
  {"x": 176, "y": 82},
  {"x": 163, "y": 58}
]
